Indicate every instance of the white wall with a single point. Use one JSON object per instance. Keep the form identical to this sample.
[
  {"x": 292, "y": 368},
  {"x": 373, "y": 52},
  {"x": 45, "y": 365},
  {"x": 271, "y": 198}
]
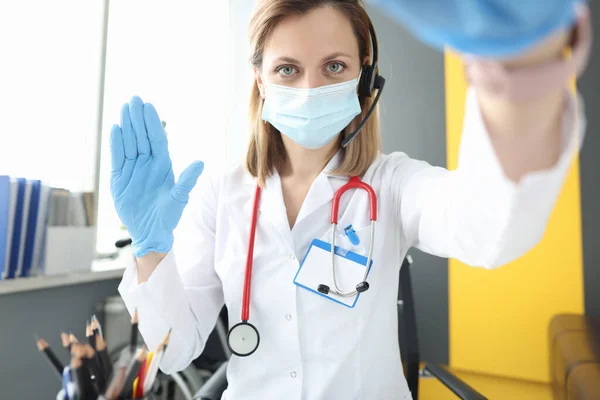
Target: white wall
[{"x": 239, "y": 80}]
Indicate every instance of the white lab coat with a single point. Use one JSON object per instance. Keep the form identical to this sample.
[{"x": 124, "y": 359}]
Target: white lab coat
[{"x": 311, "y": 347}]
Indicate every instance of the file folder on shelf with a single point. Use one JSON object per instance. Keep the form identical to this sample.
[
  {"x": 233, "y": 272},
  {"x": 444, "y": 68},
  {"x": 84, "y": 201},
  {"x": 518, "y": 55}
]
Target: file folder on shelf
[{"x": 4, "y": 210}]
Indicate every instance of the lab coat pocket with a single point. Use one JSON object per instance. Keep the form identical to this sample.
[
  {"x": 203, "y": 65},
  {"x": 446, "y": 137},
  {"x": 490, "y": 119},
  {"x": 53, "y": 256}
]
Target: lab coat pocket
[{"x": 347, "y": 277}]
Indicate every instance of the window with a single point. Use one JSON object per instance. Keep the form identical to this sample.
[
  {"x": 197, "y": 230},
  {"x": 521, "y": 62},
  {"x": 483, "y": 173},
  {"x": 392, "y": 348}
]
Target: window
[
  {"x": 176, "y": 56},
  {"x": 49, "y": 86}
]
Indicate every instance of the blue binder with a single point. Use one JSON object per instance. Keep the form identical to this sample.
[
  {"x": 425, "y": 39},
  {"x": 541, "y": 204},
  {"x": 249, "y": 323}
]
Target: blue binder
[
  {"x": 32, "y": 219},
  {"x": 17, "y": 228},
  {"x": 4, "y": 206}
]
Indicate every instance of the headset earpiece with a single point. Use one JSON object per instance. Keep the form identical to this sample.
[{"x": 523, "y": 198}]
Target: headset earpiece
[
  {"x": 368, "y": 77},
  {"x": 367, "y": 81}
]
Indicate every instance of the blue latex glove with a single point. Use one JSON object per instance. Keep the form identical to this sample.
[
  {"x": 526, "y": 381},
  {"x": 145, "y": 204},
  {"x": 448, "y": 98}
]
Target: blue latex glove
[
  {"x": 489, "y": 28},
  {"x": 143, "y": 187}
]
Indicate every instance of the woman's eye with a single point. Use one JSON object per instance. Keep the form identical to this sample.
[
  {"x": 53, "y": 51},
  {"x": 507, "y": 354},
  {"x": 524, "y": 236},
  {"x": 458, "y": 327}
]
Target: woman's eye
[
  {"x": 286, "y": 70},
  {"x": 335, "y": 68}
]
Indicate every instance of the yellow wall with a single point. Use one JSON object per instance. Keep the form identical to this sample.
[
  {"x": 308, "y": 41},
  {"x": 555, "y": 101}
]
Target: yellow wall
[{"x": 499, "y": 318}]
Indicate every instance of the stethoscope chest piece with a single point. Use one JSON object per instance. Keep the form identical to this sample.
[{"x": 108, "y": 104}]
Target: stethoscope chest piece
[{"x": 243, "y": 339}]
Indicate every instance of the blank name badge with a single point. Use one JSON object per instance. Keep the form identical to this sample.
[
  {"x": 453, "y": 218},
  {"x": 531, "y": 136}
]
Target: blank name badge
[{"x": 316, "y": 270}]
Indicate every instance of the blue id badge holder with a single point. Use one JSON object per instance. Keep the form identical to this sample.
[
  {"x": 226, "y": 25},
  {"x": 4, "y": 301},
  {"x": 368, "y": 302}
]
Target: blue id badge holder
[{"x": 316, "y": 270}]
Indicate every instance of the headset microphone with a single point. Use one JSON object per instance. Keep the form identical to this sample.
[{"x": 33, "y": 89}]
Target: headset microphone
[
  {"x": 369, "y": 81},
  {"x": 380, "y": 82}
]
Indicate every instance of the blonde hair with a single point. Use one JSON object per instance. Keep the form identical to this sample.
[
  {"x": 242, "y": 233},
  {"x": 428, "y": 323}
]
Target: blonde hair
[{"x": 265, "y": 149}]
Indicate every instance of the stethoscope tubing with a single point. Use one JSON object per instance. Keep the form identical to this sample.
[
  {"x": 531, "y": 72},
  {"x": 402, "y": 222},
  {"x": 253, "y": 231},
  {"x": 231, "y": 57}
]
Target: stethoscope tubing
[
  {"x": 249, "y": 258},
  {"x": 354, "y": 183},
  {"x": 353, "y": 292}
]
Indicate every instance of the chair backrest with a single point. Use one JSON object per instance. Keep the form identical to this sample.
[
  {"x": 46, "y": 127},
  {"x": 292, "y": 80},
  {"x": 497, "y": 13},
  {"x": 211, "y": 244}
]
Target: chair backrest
[{"x": 407, "y": 329}]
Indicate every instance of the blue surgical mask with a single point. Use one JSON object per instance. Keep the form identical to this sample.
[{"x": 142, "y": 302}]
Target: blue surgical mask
[{"x": 311, "y": 117}]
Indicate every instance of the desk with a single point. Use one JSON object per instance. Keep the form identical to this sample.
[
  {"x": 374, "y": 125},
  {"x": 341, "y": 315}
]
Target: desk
[{"x": 47, "y": 305}]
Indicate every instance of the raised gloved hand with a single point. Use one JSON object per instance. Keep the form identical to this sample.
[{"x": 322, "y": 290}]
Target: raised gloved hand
[
  {"x": 143, "y": 187},
  {"x": 486, "y": 28}
]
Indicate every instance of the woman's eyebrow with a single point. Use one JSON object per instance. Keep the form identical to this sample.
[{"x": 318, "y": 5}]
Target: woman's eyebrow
[
  {"x": 334, "y": 56},
  {"x": 329, "y": 57},
  {"x": 287, "y": 59}
]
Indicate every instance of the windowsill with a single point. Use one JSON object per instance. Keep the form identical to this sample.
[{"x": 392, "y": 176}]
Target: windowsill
[{"x": 101, "y": 270}]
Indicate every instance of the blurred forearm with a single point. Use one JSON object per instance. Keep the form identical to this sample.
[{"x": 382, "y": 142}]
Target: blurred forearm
[{"x": 527, "y": 134}]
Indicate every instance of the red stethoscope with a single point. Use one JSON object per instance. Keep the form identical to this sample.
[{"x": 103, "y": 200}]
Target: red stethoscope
[{"x": 243, "y": 338}]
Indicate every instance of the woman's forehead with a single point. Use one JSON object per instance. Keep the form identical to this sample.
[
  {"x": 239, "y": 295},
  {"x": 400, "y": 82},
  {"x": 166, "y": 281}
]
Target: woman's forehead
[{"x": 312, "y": 36}]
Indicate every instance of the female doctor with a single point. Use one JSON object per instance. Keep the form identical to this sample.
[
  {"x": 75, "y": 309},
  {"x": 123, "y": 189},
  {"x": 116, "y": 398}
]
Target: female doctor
[{"x": 257, "y": 238}]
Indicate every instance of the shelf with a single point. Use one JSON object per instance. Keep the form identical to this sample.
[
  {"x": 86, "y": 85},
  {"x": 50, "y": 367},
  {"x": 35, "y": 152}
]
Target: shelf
[{"x": 100, "y": 271}]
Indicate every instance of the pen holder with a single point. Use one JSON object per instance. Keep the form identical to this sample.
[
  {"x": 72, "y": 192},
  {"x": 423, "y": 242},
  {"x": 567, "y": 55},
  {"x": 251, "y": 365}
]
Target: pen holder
[
  {"x": 146, "y": 397},
  {"x": 61, "y": 396}
]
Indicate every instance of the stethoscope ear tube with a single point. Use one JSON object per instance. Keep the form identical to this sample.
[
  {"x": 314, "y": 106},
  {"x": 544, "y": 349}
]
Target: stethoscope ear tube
[{"x": 353, "y": 183}]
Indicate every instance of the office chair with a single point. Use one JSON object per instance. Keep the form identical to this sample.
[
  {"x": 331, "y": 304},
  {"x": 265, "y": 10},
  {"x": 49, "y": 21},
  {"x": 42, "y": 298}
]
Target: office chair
[
  {"x": 216, "y": 352},
  {"x": 214, "y": 387},
  {"x": 407, "y": 328}
]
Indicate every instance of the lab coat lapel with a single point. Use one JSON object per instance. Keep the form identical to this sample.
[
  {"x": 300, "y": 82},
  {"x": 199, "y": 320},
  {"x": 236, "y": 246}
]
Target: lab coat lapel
[
  {"x": 272, "y": 208},
  {"x": 321, "y": 191}
]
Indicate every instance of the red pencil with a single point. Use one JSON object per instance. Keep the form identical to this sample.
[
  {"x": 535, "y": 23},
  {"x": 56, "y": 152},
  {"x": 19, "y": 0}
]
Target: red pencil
[{"x": 139, "y": 393}]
